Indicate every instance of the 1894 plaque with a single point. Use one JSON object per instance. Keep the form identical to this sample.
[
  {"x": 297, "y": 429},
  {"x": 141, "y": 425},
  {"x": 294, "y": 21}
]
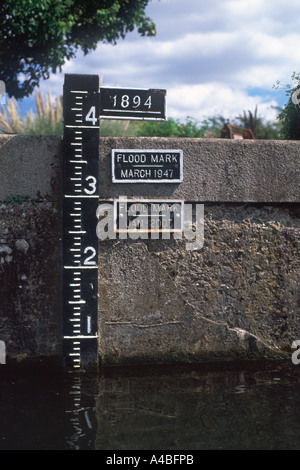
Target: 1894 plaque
[
  {"x": 147, "y": 166},
  {"x": 130, "y": 103}
]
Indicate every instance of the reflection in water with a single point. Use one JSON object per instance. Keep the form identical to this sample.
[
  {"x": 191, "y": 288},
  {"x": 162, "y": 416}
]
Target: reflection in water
[
  {"x": 81, "y": 417},
  {"x": 209, "y": 406}
]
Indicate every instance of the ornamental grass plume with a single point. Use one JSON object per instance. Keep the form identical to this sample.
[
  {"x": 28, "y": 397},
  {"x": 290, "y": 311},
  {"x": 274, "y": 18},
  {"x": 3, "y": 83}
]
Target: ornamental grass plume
[
  {"x": 10, "y": 120},
  {"x": 47, "y": 121}
]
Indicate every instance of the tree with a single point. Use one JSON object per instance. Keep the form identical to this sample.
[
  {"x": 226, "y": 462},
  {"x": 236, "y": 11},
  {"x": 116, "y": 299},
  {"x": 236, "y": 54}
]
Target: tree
[
  {"x": 260, "y": 128},
  {"x": 252, "y": 121},
  {"x": 289, "y": 116},
  {"x": 38, "y": 36}
]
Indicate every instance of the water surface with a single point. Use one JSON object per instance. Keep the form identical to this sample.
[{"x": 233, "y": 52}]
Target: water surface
[{"x": 252, "y": 406}]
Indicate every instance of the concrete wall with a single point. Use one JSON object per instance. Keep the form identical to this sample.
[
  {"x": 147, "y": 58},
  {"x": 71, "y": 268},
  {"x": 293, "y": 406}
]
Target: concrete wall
[
  {"x": 30, "y": 246},
  {"x": 236, "y": 298}
]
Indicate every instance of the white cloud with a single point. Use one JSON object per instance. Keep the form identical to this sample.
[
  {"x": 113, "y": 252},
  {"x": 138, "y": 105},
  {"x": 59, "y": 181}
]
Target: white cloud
[
  {"x": 207, "y": 100},
  {"x": 223, "y": 56}
]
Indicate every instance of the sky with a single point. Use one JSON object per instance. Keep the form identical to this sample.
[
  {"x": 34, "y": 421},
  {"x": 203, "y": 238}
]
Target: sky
[{"x": 216, "y": 57}]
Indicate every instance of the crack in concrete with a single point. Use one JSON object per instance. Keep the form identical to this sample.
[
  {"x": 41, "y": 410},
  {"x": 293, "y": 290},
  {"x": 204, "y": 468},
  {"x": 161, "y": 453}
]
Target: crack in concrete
[{"x": 242, "y": 334}]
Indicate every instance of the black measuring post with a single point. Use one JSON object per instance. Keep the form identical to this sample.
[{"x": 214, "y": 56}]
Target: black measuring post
[{"x": 81, "y": 102}]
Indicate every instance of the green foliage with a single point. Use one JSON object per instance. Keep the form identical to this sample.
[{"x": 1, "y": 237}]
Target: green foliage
[
  {"x": 18, "y": 199},
  {"x": 210, "y": 127},
  {"x": 117, "y": 127},
  {"x": 261, "y": 129},
  {"x": 269, "y": 131},
  {"x": 49, "y": 121},
  {"x": 215, "y": 125},
  {"x": 38, "y": 36},
  {"x": 250, "y": 121},
  {"x": 289, "y": 115}
]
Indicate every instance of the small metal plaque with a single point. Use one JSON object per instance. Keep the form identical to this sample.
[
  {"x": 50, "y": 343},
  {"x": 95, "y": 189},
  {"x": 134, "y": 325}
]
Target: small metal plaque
[
  {"x": 147, "y": 166},
  {"x": 130, "y": 103},
  {"x": 148, "y": 215}
]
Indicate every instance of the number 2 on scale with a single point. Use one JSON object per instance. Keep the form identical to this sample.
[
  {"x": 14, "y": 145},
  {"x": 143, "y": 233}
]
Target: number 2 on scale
[{"x": 88, "y": 261}]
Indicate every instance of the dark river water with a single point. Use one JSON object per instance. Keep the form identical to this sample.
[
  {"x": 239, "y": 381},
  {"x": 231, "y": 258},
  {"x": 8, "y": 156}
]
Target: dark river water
[{"x": 252, "y": 406}]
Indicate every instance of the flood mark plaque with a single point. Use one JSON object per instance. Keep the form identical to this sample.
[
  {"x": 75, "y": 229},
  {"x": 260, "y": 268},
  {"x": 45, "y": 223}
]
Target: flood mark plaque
[
  {"x": 148, "y": 215},
  {"x": 147, "y": 166}
]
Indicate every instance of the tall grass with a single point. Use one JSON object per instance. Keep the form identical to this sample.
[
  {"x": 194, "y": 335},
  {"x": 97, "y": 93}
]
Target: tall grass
[{"x": 47, "y": 121}]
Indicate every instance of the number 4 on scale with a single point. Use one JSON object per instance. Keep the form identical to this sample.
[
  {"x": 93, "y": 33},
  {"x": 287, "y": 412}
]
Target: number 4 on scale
[{"x": 91, "y": 115}]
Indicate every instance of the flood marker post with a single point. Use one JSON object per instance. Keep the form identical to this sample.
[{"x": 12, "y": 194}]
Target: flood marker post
[
  {"x": 80, "y": 200},
  {"x": 84, "y": 103}
]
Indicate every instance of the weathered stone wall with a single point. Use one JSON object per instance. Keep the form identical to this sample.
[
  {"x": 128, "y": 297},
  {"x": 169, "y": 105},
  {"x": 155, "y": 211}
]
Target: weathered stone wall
[
  {"x": 30, "y": 246},
  {"x": 235, "y": 298},
  {"x": 215, "y": 170},
  {"x": 30, "y": 273}
]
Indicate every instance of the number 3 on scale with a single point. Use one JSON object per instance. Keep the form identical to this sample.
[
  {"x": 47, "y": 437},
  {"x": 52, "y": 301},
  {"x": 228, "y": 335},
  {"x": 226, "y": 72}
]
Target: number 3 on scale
[{"x": 92, "y": 185}]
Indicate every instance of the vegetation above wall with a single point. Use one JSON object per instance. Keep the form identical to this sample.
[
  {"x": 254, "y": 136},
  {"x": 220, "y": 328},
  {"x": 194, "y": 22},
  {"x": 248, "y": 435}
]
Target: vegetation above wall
[{"x": 48, "y": 120}]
